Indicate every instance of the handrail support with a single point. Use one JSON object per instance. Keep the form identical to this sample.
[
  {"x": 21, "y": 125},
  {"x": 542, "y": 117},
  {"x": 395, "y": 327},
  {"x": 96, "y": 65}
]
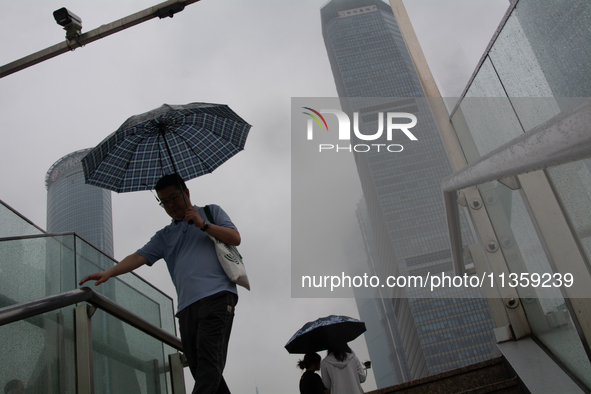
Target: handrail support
[{"x": 84, "y": 361}]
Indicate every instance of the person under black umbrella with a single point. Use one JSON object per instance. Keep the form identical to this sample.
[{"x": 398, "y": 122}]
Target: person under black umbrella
[
  {"x": 206, "y": 296},
  {"x": 342, "y": 371},
  {"x": 311, "y": 382}
]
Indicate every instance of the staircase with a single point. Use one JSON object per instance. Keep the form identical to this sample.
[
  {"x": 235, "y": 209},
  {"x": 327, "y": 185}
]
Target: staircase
[{"x": 491, "y": 376}]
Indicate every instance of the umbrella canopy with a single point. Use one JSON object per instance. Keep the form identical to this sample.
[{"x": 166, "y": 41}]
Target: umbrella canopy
[
  {"x": 321, "y": 333},
  {"x": 191, "y": 140}
]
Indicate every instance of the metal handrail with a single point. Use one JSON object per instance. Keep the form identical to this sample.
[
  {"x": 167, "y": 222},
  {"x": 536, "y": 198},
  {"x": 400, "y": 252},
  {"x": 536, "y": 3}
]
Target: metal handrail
[
  {"x": 13, "y": 313},
  {"x": 72, "y": 233},
  {"x": 562, "y": 139}
]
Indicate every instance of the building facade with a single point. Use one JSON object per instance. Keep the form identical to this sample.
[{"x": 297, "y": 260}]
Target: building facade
[
  {"x": 383, "y": 335},
  {"x": 73, "y": 206},
  {"x": 374, "y": 74}
]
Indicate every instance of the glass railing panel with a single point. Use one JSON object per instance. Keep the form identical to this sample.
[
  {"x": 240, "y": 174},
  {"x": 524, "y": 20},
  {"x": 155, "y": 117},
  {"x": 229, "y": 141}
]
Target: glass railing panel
[
  {"x": 39, "y": 352},
  {"x": 557, "y": 32},
  {"x": 13, "y": 224},
  {"x": 33, "y": 268},
  {"x": 36, "y": 267},
  {"x": 552, "y": 324},
  {"x": 536, "y": 69},
  {"x": 122, "y": 289},
  {"x": 484, "y": 124},
  {"x": 572, "y": 184},
  {"x": 120, "y": 292},
  {"x": 126, "y": 360},
  {"x": 545, "y": 307},
  {"x": 127, "y": 290}
]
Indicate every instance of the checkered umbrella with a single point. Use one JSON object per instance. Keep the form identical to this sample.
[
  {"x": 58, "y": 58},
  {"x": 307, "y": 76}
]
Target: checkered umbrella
[
  {"x": 190, "y": 140},
  {"x": 321, "y": 333}
]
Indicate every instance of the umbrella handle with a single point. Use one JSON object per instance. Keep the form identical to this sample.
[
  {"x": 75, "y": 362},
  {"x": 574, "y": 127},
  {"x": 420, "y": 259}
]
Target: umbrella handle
[{"x": 185, "y": 200}]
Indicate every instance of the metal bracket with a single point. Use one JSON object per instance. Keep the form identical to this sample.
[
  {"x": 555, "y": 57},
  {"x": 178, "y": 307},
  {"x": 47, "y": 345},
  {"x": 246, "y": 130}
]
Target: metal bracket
[
  {"x": 512, "y": 182},
  {"x": 497, "y": 264},
  {"x": 476, "y": 203},
  {"x": 90, "y": 309},
  {"x": 462, "y": 199},
  {"x": 511, "y": 303},
  {"x": 503, "y": 334},
  {"x": 492, "y": 246}
]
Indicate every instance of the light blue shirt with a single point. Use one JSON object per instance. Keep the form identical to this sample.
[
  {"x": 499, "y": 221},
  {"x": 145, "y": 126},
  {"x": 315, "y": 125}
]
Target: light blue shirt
[{"x": 191, "y": 258}]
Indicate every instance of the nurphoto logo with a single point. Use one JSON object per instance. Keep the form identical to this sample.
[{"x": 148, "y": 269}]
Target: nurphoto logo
[{"x": 344, "y": 130}]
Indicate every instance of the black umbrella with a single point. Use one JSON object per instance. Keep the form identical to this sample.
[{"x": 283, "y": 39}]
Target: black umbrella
[{"x": 321, "y": 333}]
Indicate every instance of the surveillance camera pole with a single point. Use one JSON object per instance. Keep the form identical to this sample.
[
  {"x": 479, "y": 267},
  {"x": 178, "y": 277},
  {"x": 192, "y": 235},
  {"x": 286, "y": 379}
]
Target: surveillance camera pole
[{"x": 162, "y": 10}]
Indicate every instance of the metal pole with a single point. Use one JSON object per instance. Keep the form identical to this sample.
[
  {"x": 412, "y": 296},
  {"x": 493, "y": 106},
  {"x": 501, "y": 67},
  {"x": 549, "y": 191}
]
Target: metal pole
[
  {"x": 162, "y": 10},
  {"x": 84, "y": 366}
]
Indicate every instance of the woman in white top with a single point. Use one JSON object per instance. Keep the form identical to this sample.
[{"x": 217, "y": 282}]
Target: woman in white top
[{"x": 342, "y": 371}]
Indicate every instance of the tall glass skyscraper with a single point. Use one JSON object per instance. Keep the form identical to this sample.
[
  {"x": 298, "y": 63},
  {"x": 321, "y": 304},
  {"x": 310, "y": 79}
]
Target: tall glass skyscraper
[
  {"x": 372, "y": 68},
  {"x": 73, "y": 206}
]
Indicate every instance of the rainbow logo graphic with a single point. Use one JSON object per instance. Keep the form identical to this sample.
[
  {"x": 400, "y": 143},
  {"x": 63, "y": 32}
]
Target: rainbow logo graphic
[{"x": 315, "y": 118}]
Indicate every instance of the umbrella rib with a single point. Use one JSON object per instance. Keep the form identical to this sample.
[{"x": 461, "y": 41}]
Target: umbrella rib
[
  {"x": 195, "y": 153},
  {"x": 160, "y": 156},
  {"x": 126, "y": 168},
  {"x": 125, "y": 172},
  {"x": 169, "y": 153}
]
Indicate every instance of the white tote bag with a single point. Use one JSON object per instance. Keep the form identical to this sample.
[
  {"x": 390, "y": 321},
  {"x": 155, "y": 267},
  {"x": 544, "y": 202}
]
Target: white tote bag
[{"x": 230, "y": 258}]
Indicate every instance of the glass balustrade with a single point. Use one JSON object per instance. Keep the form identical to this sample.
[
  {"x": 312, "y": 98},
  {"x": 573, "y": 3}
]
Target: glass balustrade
[{"x": 40, "y": 351}]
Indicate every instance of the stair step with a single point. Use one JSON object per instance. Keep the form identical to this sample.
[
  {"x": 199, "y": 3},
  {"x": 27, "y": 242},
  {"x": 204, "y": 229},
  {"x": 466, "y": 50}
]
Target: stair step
[
  {"x": 488, "y": 375},
  {"x": 509, "y": 386}
]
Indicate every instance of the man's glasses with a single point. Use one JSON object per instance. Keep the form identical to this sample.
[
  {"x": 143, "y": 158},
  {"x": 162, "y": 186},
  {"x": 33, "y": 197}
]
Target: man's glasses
[{"x": 169, "y": 200}]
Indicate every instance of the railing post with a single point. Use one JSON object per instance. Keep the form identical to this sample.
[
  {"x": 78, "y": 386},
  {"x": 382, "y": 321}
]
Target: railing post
[
  {"x": 84, "y": 367},
  {"x": 177, "y": 375},
  {"x": 152, "y": 376}
]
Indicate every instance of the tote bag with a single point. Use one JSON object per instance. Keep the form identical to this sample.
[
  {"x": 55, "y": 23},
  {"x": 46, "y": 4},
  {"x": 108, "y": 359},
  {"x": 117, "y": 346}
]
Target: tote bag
[{"x": 230, "y": 259}]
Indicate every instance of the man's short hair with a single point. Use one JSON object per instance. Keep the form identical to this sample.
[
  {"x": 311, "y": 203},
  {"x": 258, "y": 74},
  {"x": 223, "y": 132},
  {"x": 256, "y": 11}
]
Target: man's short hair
[
  {"x": 171, "y": 180},
  {"x": 13, "y": 385}
]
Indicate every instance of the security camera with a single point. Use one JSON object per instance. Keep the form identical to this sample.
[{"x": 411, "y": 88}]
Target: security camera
[
  {"x": 71, "y": 22},
  {"x": 170, "y": 10}
]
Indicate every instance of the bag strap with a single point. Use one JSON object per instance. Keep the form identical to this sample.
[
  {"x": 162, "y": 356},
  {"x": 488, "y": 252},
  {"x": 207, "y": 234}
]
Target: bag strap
[
  {"x": 208, "y": 214},
  {"x": 210, "y": 218}
]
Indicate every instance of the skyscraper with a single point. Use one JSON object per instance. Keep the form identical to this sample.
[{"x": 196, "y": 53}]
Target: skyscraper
[
  {"x": 389, "y": 367},
  {"x": 73, "y": 206},
  {"x": 372, "y": 68}
]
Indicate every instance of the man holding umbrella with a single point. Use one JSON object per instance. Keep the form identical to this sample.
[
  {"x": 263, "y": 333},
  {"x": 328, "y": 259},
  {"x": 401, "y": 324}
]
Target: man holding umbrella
[{"x": 206, "y": 297}]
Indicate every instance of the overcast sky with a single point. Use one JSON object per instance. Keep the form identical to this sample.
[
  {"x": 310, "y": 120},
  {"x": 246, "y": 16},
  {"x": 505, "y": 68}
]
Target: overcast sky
[{"x": 252, "y": 55}]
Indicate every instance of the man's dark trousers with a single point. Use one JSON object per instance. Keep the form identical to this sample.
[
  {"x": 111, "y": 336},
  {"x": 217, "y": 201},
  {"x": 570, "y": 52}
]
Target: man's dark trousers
[{"x": 205, "y": 329}]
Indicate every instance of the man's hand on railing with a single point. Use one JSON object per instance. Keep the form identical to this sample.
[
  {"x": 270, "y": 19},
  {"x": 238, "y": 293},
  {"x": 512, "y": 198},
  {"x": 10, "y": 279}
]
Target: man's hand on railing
[
  {"x": 126, "y": 265},
  {"x": 99, "y": 277}
]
